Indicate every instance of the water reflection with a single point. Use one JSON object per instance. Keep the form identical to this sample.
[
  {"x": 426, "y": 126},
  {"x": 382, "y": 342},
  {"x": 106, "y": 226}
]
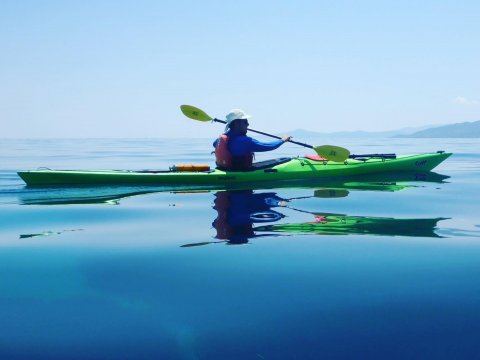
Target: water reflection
[
  {"x": 81, "y": 195},
  {"x": 238, "y": 211},
  {"x": 46, "y": 233},
  {"x": 245, "y": 214},
  {"x": 340, "y": 224},
  {"x": 242, "y": 214}
]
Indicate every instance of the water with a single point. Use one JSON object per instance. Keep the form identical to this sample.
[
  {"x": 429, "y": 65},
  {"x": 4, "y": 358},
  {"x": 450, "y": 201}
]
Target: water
[{"x": 385, "y": 269}]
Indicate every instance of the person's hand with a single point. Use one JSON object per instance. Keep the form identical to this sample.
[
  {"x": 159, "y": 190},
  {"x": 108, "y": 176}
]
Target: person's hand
[{"x": 286, "y": 138}]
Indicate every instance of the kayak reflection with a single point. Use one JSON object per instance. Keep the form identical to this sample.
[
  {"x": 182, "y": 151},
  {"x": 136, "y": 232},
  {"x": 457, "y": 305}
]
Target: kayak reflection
[
  {"x": 240, "y": 212},
  {"x": 87, "y": 195},
  {"x": 339, "y": 224}
]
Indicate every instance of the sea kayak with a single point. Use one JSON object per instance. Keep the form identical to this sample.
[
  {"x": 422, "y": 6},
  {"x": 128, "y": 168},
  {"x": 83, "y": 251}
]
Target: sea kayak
[{"x": 283, "y": 169}]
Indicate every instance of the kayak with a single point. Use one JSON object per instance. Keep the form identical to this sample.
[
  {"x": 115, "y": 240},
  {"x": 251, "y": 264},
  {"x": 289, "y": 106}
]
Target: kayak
[
  {"x": 282, "y": 169},
  {"x": 298, "y": 168}
]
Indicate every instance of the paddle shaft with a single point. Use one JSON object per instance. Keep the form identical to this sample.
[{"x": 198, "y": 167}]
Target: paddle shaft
[{"x": 273, "y": 136}]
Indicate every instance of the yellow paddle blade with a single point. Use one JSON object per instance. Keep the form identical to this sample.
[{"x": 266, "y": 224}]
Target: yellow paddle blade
[
  {"x": 332, "y": 153},
  {"x": 195, "y": 113}
]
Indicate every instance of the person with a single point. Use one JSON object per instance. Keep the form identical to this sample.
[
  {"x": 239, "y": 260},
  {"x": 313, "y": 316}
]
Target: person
[{"x": 234, "y": 150}]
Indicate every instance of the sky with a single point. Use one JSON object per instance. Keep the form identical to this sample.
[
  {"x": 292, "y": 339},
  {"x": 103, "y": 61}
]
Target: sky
[{"x": 122, "y": 68}]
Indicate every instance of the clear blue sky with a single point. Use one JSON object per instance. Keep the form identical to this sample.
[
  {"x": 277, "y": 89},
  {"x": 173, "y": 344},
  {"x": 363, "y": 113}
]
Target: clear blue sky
[{"x": 123, "y": 68}]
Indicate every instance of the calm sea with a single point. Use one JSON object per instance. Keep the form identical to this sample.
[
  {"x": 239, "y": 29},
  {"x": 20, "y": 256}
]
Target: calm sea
[{"x": 378, "y": 269}]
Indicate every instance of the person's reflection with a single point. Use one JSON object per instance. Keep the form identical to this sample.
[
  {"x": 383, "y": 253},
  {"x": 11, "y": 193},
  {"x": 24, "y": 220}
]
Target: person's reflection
[{"x": 237, "y": 211}]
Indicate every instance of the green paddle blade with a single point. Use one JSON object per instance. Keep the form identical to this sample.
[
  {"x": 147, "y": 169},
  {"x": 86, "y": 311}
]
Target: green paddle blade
[
  {"x": 195, "y": 113},
  {"x": 332, "y": 153}
]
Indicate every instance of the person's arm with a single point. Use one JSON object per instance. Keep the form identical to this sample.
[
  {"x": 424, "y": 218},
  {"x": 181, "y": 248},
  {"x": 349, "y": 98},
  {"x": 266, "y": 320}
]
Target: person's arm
[
  {"x": 245, "y": 145},
  {"x": 254, "y": 145},
  {"x": 259, "y": 146}
]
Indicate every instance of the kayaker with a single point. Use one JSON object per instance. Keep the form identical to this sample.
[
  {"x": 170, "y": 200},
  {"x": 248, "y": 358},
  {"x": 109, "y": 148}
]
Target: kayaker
[{"x": 234, "y": 150}]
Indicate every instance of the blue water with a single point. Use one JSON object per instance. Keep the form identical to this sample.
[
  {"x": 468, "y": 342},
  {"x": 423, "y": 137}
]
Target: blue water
[{"x": 384, "y": 268}]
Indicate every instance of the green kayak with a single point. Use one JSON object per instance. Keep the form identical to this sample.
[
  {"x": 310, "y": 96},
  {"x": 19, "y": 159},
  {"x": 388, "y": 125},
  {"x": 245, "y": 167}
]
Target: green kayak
[{"x": 283, "y": 169}]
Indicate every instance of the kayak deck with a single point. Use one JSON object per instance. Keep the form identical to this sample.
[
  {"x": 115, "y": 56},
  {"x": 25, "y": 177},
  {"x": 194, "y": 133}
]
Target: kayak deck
[{"x": 273, "y": 170}]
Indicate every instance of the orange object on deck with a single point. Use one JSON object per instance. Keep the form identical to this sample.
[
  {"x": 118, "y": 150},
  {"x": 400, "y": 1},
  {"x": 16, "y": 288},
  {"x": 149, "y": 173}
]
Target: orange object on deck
[{"x": 191, "y": 167}]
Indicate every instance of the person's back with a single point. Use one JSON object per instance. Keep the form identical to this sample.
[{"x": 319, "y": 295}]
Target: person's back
[{"x": 234, "y": 150}]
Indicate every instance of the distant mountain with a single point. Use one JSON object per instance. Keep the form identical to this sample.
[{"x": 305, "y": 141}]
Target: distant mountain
[
  {"x": 301, "y": 133},
  {"x": 459, "y": 130}
]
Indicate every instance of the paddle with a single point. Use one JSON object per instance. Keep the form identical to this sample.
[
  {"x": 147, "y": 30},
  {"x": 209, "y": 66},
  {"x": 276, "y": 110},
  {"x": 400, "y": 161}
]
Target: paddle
[{"x": 329, "y": 152}]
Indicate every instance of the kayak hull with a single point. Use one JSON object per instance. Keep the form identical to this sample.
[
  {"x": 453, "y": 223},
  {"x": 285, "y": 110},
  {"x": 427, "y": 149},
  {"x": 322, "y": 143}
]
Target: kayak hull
[{"x": 292, "y": 169}]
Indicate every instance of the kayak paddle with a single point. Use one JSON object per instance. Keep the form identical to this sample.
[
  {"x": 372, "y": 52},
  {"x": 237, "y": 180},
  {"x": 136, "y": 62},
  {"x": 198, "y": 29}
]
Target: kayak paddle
[{"x": 329, "y": 152}]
